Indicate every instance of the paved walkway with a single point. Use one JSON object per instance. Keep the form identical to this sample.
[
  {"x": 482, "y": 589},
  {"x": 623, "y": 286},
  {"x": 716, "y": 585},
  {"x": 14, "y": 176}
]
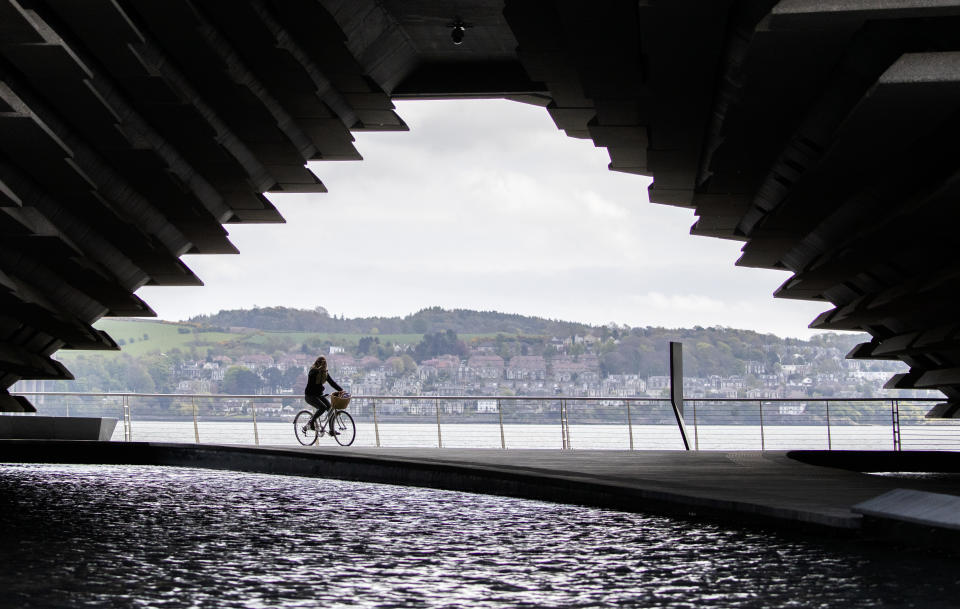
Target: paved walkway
[
  {"x": 755, "y": 487},
  {"x": 769, "y": 485}
]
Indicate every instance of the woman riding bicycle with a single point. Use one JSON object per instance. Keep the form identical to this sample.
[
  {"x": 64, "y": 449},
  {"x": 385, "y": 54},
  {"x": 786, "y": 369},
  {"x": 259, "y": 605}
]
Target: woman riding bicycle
[{"x": 313, "y": 392}]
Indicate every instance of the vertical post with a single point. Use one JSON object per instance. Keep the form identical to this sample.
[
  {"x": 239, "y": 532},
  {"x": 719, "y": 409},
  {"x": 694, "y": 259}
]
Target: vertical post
[
  {"x": 762, "y": 443},
  {"x": 503, "y": 439},
  {"x": 629, "y": 424},
  {"x": 829, "y": 439},
  {"x": 436, "y": 404},
  {"x": 196, "y": 428},
  {"x": 126, "y": 417},
  {"x": 899, "y": 437},
  {"x": 696, "y": 429},
  {"x": 376, "y": 425},
  {"x": 676, "y": 389},
  {"x": 563, "y": 427},
  {"x": 895, "y": 415},
  {"x": 256, "y": 435},
  {"x": 566, "y": 421}
]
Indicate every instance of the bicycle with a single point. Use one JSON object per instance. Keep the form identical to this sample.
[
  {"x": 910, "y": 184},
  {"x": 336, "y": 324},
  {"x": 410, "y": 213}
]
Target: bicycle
[{"x": 343, "y": 424}]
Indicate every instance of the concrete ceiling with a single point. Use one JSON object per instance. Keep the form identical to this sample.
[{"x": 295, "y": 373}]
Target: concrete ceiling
[{"x": 820, "y": 134}]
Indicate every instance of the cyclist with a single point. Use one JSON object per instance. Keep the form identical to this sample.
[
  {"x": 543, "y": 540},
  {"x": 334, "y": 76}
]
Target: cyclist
[{"x": 313, "y": 392}]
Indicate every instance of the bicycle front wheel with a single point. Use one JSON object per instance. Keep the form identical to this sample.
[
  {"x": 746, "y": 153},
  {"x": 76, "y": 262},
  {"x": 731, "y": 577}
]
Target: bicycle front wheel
[
  {"x": 301, "y": 428},
  {"x": 347, "y": 431}
]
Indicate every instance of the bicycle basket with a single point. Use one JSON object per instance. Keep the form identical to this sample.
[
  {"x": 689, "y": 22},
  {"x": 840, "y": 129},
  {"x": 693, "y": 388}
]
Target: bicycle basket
[{"x": 339, "y": 399}]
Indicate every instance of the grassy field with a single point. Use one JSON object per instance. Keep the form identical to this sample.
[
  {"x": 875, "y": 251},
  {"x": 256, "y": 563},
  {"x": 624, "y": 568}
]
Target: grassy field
[
  {"x": 338, "y": 339},
  {"x": 141, "y": 337}
]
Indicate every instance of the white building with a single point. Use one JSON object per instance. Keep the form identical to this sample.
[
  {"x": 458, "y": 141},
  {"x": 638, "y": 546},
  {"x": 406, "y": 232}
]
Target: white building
[{"x": 486, "y": 406}]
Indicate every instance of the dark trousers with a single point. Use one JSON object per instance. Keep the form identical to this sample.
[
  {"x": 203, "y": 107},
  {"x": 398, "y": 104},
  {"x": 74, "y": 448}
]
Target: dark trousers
[{"x": 320, "y": 402}]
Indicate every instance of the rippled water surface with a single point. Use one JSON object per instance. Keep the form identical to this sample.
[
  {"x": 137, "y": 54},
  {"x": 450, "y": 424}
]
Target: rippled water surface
[{"x": 173, "y": 537}]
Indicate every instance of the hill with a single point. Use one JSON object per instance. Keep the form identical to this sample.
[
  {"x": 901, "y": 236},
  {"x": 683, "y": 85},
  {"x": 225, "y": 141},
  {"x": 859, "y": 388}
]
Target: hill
[
  {"x": 166, "y": 356},
  {"x": 433, "y": 319}
]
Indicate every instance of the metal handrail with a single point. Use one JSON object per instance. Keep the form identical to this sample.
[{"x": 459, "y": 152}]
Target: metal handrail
[
  {"x": 740, "y": 419},
  {"x": 608, "y": 398}
]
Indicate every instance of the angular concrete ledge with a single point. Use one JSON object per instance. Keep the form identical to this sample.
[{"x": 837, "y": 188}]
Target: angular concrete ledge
[
  {"x": 913, "y": 517},
  {"x": 57, "y": 428},
  {"x": 916, "y": 507}
]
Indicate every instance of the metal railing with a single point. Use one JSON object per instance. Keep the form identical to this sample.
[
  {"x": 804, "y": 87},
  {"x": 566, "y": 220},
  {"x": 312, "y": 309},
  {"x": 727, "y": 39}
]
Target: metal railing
[{"x": 619, "y": 423}]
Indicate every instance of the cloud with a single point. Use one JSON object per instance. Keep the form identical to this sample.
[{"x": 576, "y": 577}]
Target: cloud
[
  {"x": 486, "y": 205},
  {"x": 679, "y": 302},
  {"x": 601, "y": 207}
]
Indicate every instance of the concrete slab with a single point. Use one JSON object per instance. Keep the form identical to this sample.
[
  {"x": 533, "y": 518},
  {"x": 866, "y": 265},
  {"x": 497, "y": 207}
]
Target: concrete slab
[
  {"x": 57, "y": 428},
  {"x": 915, "y": 507},
  {"x": 765, "y": 487}
]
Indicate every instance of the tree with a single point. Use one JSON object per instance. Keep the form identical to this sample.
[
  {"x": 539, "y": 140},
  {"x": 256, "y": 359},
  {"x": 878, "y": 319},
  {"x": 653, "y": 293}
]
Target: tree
[
  {"x": 439, "y": 343},
  {"x": 367, "y": 345},
  {"x": 385, "y": 351},
  {"x": 237, "y": 380},
  {"x": 396, "y": 365},
  {"x": 138, "y": 380},
  {"x": 409, "y": 366},
  {"x": 158, "y": 367},
  {"x": 291, "y": 376},
  {"x": 272, "y": 378}
]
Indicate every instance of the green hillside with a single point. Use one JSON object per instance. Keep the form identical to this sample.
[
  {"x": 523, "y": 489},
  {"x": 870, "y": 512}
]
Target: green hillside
[
  {"x": 433, "y": 319},
  {"x": 153, "y": 353},
  {"x": 138, "y": 338}
]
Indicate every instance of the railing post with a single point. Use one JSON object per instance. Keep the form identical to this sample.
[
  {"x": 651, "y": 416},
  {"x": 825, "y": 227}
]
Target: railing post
[
  {"x": 436, "y": 405},
  {"x": 503, "y": 439},
  {"x": 127, "y": 424},
  {"x": 563, "y": 428},
  {"x": 376, "y": 425},
  {"x": 256, "y": 435},
  {"x": 895, "y": 415},
  {"x": 629, "y": 424},
  {"x": 762, "y": 442},
  {"x": 829, "y": 439},
  {"x": 566, "y": 420},
  {"x": 696, "y": 430},
  {"x": 196, "y": 428}
]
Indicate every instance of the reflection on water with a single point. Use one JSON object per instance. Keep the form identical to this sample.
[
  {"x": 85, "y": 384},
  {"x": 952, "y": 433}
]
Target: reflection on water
[{"x": 175, "y": 537}]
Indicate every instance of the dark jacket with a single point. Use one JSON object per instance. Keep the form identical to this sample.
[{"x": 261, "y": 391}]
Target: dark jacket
[{"x": 315, "y": 381}]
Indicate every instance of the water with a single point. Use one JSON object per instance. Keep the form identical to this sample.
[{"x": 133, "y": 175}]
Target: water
[{"x": 101, "y": 536}]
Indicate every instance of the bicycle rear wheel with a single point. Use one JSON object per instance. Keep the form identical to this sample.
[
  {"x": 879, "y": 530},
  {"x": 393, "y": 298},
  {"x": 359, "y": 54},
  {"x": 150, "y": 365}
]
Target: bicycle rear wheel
[
  {"x": 301, "y": 428},
  {"x": 347, "y": 431}
]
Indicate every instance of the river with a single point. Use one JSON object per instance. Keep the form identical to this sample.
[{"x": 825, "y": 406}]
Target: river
[{"x": 136, "y": 536}]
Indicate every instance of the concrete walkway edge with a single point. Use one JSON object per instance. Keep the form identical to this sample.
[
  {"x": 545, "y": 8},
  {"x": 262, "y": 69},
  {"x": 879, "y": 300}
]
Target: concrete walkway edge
[{"x": 663, "y": 482}]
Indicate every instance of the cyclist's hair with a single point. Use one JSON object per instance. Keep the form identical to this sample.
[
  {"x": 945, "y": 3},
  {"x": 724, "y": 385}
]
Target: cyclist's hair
[{"x": 320, "y": 363}]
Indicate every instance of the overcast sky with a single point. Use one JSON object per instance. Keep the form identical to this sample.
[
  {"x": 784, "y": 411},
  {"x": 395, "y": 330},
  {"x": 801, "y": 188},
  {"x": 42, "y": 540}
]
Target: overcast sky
[{"x": 486, "y": 205}]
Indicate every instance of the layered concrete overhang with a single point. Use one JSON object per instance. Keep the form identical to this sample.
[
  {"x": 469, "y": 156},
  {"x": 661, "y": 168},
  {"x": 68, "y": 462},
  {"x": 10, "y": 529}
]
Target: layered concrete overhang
[{"x": 821, "y": 134}]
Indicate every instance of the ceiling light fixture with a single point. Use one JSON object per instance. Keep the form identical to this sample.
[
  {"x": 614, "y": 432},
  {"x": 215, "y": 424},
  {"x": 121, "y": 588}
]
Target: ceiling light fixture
[{"x": 457, "y": 31}]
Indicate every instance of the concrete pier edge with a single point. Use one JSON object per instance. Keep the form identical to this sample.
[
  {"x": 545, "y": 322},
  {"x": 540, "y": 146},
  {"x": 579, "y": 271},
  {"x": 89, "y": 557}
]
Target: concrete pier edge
[
  {"x": 423, "y": 468},
  {"x": 339, "y": 464}
]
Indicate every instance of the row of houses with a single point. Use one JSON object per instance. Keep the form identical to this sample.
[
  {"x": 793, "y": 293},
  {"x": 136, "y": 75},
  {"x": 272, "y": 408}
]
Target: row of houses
[
  {"x": 486, "y": 372},
  {"x": 561, "y": 369}
]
